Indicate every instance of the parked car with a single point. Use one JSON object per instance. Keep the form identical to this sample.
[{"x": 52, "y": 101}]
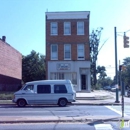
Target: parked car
[
  {"x": 107, "y": 88},
  {"x": 128, "y": 92},
  {"x": 113, "y": 88},
  {"x": 58, "y": 92}
]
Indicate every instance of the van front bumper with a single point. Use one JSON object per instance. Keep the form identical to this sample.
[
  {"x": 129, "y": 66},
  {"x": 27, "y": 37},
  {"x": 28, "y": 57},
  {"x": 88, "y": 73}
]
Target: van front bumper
[
  {"x": 74, "y": 101},
  {"x": 13, "y": 101}
]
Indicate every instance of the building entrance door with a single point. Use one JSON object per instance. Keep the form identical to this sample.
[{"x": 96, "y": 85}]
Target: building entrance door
[{"x": 83, "y": 82}]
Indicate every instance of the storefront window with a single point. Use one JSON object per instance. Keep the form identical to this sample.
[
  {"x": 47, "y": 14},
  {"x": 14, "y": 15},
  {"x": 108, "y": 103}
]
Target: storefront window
[{"x": 70, "y": 76}]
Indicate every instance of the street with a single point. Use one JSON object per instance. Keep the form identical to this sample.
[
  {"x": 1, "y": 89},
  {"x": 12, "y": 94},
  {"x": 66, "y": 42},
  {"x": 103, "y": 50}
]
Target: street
[
  {"x": 69, "y": 111},
  {"x": 99, "y": 115}
]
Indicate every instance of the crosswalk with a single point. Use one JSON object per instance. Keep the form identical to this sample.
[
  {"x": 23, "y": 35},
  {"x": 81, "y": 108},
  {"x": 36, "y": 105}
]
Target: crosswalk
[
  {"x": 118, "y": 109},
  {"x": 103, "y": 127}
]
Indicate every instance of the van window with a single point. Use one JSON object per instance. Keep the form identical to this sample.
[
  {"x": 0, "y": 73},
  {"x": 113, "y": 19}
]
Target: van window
[
  {"x": 29, "y": 87},
  {"x": 60, "y": 89},
  {"x": 43, "y": 89}
]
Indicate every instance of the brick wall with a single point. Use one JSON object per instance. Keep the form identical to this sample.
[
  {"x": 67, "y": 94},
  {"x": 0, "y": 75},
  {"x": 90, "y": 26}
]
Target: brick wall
[
  {"x": 72, "y": 39},
  {"x": 10, "y": 65}
]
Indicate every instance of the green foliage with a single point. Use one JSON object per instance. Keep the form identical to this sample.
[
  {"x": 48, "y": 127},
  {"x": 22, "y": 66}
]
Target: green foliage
[
  {"x": 98, "y": 86},
  {"x": 101, "y": 71},
  {"x": 94, "y": 41},
  {"x": 33, "y": 67},
  {"x": 126, "y": 61},
  {"x": 105, "y": 82},
  {"x": 4, "y": 95},
  {"x": 126, "y": 73}
]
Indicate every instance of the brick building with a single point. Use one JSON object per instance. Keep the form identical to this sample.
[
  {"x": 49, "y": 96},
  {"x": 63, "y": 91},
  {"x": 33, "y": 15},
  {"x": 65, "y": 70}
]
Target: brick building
[
  {"x": 10, "y": 66},
  {"x": 67, "y": 48}
]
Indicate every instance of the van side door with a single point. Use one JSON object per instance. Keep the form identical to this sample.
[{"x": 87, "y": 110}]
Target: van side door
[
  {"x": 60, "y": 91},
  {"x": 43, "y": 94}
]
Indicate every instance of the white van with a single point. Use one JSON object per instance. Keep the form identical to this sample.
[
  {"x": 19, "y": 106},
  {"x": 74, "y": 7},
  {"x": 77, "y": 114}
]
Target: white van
[{"x": 58, "y": 92}]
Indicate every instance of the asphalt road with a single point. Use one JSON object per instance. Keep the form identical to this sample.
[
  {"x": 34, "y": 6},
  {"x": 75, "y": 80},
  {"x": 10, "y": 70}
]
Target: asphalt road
[
  {"x": 63, "y": 126},
  {"x": 69, "y": 111}
]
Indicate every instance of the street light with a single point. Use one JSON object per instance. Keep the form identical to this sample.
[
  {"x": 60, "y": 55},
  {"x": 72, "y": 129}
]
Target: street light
[{"x": 116, "y": 71}]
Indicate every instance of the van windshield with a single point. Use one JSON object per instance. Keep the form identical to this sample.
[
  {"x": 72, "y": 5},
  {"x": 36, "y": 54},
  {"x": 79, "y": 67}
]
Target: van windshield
[{"x": 23, "y": 86}]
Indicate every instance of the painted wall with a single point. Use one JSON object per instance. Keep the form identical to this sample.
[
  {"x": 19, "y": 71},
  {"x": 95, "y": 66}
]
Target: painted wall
[{"x": 75, "y": 66}]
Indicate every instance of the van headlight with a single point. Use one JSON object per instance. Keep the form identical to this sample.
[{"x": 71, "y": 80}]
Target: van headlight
[{"x": 13, "y": 96}]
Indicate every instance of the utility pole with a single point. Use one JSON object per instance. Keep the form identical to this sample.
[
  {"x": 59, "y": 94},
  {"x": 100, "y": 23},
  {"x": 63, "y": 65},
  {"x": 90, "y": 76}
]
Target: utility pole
[{"x": 116, "y": 71}]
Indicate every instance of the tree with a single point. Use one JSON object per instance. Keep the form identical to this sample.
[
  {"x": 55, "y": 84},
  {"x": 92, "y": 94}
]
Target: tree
[
  {"x": 33, "y": 67},
  {"x": 104, "y": 82},
  {"x": 101, "y": 71},
  {"x": 126, "y": 61},
  {"x": 94, "y": 44},
  {"x": 125, "y": 74}
]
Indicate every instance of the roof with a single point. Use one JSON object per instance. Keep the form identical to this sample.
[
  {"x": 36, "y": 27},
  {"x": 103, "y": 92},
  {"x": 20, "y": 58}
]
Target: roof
[
  {"x": 68, "y": 15},
  {"x": 49, "y": 81}
]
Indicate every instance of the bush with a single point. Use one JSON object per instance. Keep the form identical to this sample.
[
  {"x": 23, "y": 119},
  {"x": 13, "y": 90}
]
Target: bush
[{"x": 4, "y": 95}]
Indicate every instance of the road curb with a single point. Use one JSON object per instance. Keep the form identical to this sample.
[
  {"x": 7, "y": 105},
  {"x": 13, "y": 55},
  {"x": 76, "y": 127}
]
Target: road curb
[
  {"x": 72, "y": 104},
  {"x": 89, "y": 120},
  {"x": 75, "y": 103}
]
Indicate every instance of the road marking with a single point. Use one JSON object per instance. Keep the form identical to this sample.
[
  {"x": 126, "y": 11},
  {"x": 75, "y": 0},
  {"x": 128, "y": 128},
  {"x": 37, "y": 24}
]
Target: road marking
[
  {"x": 118, "y": 112},
  {"x": 103, "y": 127}
]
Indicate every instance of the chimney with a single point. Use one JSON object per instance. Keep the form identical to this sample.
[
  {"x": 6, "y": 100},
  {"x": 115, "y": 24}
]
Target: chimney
[{"x": 4, "y": 38}]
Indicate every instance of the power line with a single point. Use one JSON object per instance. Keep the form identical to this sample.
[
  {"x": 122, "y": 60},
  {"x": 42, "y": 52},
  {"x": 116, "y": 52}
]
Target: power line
[{"x": 103, "y": 44}]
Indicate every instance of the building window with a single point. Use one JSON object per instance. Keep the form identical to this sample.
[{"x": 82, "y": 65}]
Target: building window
[
  {"x": 67, "y": 51},
  {"x": 67, "y": 28},
  {"x": 60, "y": 89},
  {"x": 54, "y": 52},
  {"x": 54, "y": 28},
  {"x": 43, "y": 89},
  {"x": 80, "y": 28},
  {"x": 64, "y": 75},
  {"x": 80, "y": 49}
]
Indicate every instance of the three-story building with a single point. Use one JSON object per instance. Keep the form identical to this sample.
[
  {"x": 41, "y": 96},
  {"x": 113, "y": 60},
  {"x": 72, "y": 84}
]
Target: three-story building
[{"x": 67, "y": 48}]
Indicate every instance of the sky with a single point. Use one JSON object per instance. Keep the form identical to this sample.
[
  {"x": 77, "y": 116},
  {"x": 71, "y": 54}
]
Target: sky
[{"x": 23, "y": 24}]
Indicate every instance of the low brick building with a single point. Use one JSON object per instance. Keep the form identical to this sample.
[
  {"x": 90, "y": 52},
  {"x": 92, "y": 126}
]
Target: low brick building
[
  {"x": 67, "y": 48},
  {"x": 10, "y": 66}
]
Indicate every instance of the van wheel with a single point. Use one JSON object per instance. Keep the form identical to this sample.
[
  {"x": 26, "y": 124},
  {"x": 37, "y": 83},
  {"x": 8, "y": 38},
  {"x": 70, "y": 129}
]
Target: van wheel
[
  {"x": 62, "y": 102},
  {"x": 21, "y": 103}
]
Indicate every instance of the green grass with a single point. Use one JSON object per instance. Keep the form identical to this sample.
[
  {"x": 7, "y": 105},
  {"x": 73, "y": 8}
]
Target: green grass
[{"x": 6, "y": 95}]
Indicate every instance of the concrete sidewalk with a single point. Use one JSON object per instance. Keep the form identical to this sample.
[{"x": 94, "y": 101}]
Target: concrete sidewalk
[
  {"x": 99, "y": 97},
  {"x": 45, "y": 119},
  {"x": 95, "y": 95}
]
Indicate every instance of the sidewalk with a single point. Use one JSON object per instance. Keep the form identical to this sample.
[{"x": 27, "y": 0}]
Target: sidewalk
[
  {"x": 45, "y": 119},
  {"x": 99, "y": 97},
  {"x": 95, "y": 95}
]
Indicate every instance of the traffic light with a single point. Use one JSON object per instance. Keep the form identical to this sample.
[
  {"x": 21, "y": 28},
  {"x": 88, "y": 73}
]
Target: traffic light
[
  {"x": 120, "y": 67},
  {"x": 126, "y": 42}
]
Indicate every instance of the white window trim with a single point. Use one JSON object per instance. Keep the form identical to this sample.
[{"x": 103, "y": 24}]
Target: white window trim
[
  {"x": 77, "y": 27},
  {"x": 64, "y": 52},
  {"x": 83, "y": 52},
  {"x": 70, "y": 28},
  {"x": 51, "y": 52},
  {"x": 51, "y": 29}
]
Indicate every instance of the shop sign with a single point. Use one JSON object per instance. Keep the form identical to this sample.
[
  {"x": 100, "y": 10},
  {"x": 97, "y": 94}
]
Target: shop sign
[{"x": 63, "y": 66}]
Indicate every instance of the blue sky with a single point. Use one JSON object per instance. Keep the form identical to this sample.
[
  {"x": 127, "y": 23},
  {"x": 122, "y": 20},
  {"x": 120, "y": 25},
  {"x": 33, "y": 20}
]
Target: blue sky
[{"x": 23, "y": 24}]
